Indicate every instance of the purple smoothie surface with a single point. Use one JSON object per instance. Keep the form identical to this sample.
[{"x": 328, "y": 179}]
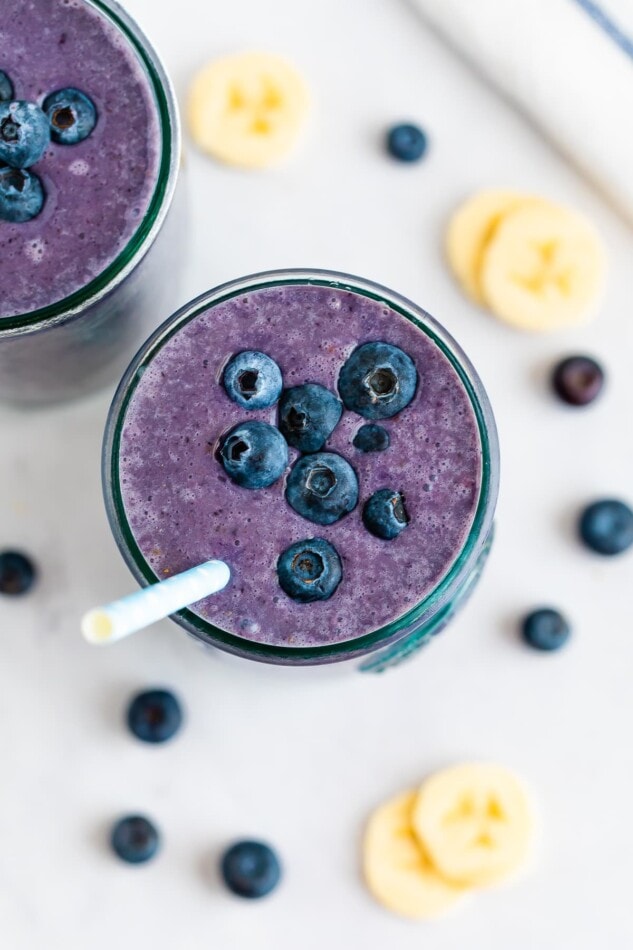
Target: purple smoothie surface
[
  {"x": 97, "y": 191},
  {"x": 183, "y": 509}
]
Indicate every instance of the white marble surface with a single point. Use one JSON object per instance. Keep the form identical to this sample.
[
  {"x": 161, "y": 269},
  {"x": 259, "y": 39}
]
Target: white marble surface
[{"x": 301, "y": 757}]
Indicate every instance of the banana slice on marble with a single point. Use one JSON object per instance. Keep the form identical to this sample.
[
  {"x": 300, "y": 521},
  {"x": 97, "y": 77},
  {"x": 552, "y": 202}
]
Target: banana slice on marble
[
  {"x": 248, "y": 109},
  {"x": 475, "y": 822},
  {"x": 397, "y": 871}
]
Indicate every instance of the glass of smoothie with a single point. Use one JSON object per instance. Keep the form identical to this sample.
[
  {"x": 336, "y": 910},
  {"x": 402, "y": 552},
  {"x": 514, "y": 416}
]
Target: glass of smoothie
[
  {"x": 89, "y": 228},
  {"x": 331, "y": 443}
]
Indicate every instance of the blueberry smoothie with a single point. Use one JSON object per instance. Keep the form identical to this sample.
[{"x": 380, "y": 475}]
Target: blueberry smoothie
[
  {"x": 88, "y": 140},
  {"x": 320, "y": 441}
]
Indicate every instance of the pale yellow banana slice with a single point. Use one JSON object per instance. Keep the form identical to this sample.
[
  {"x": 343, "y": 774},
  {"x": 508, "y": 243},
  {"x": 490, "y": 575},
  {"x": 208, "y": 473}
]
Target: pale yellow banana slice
[
  {"x": 248, "y": 109},
  {"x": 543, "y": 268},
  {"x": 471, "y": 227},
  {"x": 475, "y": 822},
  {"x": 397, "y": 872}
]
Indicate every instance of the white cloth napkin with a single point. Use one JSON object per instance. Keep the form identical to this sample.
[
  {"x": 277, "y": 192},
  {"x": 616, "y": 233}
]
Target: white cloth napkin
[{"x": 568, "y": 64}]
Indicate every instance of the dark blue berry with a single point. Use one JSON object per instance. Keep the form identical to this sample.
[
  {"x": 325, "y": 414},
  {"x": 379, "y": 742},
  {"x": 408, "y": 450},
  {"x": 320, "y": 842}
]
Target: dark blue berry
[
  {"x": 6, "y": 87},
  {"x": 406, "y": 142},
  {"x": 252, "y": 380},
  {"x": 385, "y": 515},
  {"x": 71, "y": 114},
  {"x": 322, "y": 487},
  {"x": 21, "y": 195},
  {"x": 309, "y": 570},
  {"x": 135, "y": 839},
  {"x": 251, "y": 869},
  {"x": 378, "y": 380},
  {"x": 254, "y": 454},
  {"x": 607, "y": 526},
  {"x": 154, "y": 715},
  {"x": 578, "y": 380},
  {"x": 308, "y": 415},
  {"x": 545, "y": 629},
  {"x": 371, "y": 438},
  {"x": 24, "y": 133},
  {"x": 17, "y": 573}
]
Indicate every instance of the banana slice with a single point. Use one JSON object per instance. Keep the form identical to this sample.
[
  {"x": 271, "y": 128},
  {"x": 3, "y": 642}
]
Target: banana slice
[
  {"x": 248, "y": 109},
  {"x": 475, "y": 823},
  {"x": 397, "y": 872},
  {"x": 471, "y": 227},
  {"x": 543, "y": 268}
]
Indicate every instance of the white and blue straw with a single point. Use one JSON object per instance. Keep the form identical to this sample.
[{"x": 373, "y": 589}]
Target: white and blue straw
[{"x": 123, "y": 617}]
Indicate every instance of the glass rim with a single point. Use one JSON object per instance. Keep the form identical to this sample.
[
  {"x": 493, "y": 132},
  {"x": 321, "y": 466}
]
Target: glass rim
[
  {"x": 149, "y": 227},
  {"x": 484, "y": 513}
]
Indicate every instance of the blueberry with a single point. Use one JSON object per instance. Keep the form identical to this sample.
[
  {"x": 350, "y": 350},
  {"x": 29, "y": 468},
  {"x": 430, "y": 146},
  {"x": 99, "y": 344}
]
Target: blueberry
[
  {"x": 371, "y": 438},
  {"x": 385, "y": 515},
  {"x": 254, "y": 454},
  {"x": 309, "y": 570},
  {"x": 406, "y": 142},
  {"x": 606, "y": 526},
  {"x": 6, "y": 87},
  {"x": 24, "y": 133},
  {"x": 251, "y": 869},
  {"x": 322, "y": 487},
  {"x": 545, "y": 629},
  {"x": 578, "y": 380},
  {"x": 252, "y": 380},
  {"x": 308, "y": 415},
  {"x": 71, "y": 114},
  {"x": 21, "y": 195},
  {"x": 17, "y": 573},
  {"x": 135, "y": 839},
  {"x": 154, "y": 715},
  {"x": 378, "y": 380}
]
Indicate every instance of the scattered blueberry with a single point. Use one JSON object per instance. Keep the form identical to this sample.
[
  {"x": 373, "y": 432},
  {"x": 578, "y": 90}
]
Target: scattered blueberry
[
  {"x": 606, "y": 526},
  {"x": 578, "y": 380},
  {"x": 71, "y": 114},
  {"x": 254, "y": 454},
  {"x": 135, "y": 839},
  {"x": 308, "y": 415},
  {"x": 252, "y": 380},
  {"x": 385, "y": 515},
  {"x": 17, "y": 573},
  {"x": 6, "y": 87},
  {"x": 371, "y": 438},
  {"x": 21, "y": 195},
  {"x": 251, "y": 869},
  {"x": 322, "y": 487},
  {"x": 309, "y": 570},
  {"x": 377, "y": 380},
  {"x": 545, "y": 629},
  {"x": 154, "y": 715},
  {"x": 24, "y": 133},
  {"x": 406, "y": 142}
]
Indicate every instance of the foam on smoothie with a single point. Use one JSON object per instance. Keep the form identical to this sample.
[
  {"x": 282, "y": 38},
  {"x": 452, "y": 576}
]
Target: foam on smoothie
[{"x": 183, "y": 509}]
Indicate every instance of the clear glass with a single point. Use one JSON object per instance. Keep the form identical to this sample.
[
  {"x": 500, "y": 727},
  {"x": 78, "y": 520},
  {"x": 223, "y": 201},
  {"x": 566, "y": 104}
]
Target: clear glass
[
  {"x": 405, "y": 635},
  {"x": 84, "y": 341}
]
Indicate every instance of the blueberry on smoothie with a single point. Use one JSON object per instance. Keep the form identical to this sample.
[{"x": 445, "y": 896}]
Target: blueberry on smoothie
[
  {"x": 545, "y": 629},
  {"x": 385, "y": 515},
  {"x": 6, "y": 87},
  {"x": 578, "y": 380},
  {"x": 71, "y": 115},
  {"x": 252, "y": 380},
  {"x": 406, "y": 142},
  {"x": 371, "y": 438},
  {"x": 17, "y": 573},
  {"x": 309, "y": 570},
  {"x": 135, "y": 839},
  {"x": 154, "y": 715},
  {"x": 254, "y": 454},
  {"x": 308, "y": 415},
  {"x": 24, "y": 133},
  {"x": 322, "y": 487},
  {"x": 250, "y": 869},
  {"x": 21, "y": 195},
  {"x": 378, "y": 380},
  {"x": 606, "y": 526}
]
